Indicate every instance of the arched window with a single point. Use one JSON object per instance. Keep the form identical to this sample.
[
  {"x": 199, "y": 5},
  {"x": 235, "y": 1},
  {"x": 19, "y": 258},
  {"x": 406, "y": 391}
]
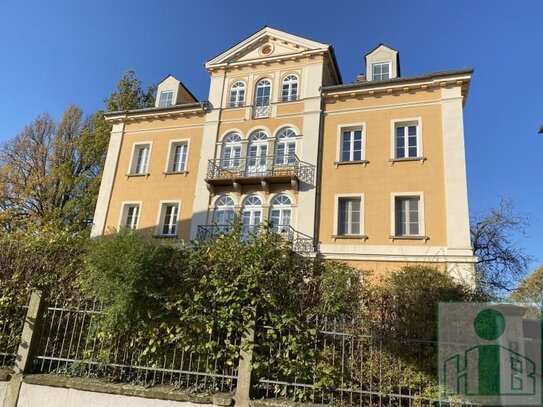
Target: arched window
[
  {"x": 281, "y": 214},
  {"x": 224, "y": 211},
  {"x": 258, "y": 150},
  {"x": 237, "y": 94},
  {"x": 251, "y": 214},
  {"x": 285, "y": 151},
  {"x": 262, "y": 98},
  {"x": 290, "y": 88},
  {"x": 231, "y": 151}
]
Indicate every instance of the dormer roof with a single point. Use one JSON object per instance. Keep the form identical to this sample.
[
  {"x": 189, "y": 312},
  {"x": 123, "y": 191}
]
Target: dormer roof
[
  {"x": 381, "y": 54},
  {"x": 270, "y": 44}
]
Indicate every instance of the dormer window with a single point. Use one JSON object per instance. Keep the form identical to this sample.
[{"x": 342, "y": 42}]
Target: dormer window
[
  {"x": 381, "y": 71},
  {"x": 166, "y": 98}
]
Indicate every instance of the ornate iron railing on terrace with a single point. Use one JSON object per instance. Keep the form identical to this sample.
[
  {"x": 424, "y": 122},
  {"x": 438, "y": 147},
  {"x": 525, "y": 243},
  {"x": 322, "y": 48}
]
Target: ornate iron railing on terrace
[
  {"x": 250, "y": 170},
  {"x": 301, "y": 242}
]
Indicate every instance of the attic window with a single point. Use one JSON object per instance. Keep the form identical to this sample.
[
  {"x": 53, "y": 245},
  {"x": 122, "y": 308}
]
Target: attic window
[
  {"x": 381, "y": 71},
  {"x": 266, "y": 49},
  {"x": 166, "y": 98}
]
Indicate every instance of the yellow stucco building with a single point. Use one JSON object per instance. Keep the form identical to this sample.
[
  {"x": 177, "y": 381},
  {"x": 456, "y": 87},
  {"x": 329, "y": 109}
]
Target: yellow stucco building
[{"x": 370, "y": 172}]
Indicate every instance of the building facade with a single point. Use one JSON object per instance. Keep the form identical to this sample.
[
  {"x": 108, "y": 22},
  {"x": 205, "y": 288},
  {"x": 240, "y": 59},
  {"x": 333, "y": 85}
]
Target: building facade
[{"x": 370, "y": 172}]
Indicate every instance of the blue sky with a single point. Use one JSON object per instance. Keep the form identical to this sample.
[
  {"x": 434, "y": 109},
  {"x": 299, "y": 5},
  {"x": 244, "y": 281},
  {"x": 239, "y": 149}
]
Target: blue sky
[{"x": 56, "y": 53}]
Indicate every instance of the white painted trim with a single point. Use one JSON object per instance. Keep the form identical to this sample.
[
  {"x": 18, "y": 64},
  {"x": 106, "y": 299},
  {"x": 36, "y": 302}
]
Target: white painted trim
[
  {"x": 160, "y": 217},
  {"x": 174, "y": 97},
  {"x": 122, "y": 217},
  {"x": 283, "y": 192},
  {"x": 382, "y": 62},
  {"x": 456, "y": 197},
  {"x": 258, "y": 36},
  {"x": 108, "y": 180},
  {"x": 164, "y": 129},
  {"x": 132, "y": 163},
  {"x": 422, "y": 223},
  {"x": 216, "y": 198},
  {"x": 362, "y": 211},
  {"x": 350, "y": 127},
  {"x": 257, "y": 128},
  {"x": 169, "y": 157},
  {"x": 230, "y": 131},
  {"x": 406, "y": 121},
  {"x": 284, "y": 126}
]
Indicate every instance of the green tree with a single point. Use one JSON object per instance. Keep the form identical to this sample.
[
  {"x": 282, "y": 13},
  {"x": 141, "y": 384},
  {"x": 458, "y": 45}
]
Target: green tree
[
  {"x": 129, "y": 95},
  {"x": 50, "y": 172},
  {"x": 530, "y": 289}
]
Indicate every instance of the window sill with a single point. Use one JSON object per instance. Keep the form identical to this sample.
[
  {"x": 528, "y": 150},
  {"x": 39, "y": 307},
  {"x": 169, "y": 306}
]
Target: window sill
[
  {"x": 363, "y": 162},
  {"x": 357, "y": 237},
  {"x": 176, "y": 173},
  {"x": 146, "y": 174},
  {"x": 289, "y": 101},
  {"x": 236, "y": 107},
  {"x": 414, "y": 237},
  {"x": 397, "y": 160},
  {"x": 169, "y": 237}
]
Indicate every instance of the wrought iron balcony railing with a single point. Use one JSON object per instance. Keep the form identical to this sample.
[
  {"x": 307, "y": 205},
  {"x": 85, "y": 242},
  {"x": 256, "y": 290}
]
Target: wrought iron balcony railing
[
  {"x": 301, "y": 242},
  {"x": 272, "y": 168}
]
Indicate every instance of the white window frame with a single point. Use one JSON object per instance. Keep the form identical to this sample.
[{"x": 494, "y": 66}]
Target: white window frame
[
  {"x": 238, "y": 102},
  {"x": 171, "y": 156},
  {"x": 262, "y": 110},
  {"x": 402, "y": 123},
  {"x": 422, "y": 223},
  {"x": 223, "y": 145},
  {"x": 290, "y": 207},
  {"x": 337, "y": 198},
  {"x": 134, "y": 160},
  {"x": 290, "y": 97},
  {"x": 215, "y": 208},
  {"x": 124, "y": 213},
  {"x": 161, "y": 217},
  {"x": 285, "y": 158},
  {"x": 165, "y": 92},
  {"x": 381, "y": 64},
  {"x": 339, "y": 143}
]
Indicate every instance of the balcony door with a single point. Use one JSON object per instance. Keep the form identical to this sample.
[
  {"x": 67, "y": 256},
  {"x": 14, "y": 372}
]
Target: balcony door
[
  {"x": 258, "y": 151},
  {"x": 231, "y": 151},
  {"x": 281, "y": 214},
  {"x": 251, "y": 214},
  {"x": 285, "y": 154},
  {"x": 262, "y": 99},
  {"x": 224, "y": 213}
]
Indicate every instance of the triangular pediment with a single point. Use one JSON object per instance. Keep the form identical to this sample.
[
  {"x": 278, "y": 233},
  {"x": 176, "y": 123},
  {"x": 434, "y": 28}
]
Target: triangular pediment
[{"x": 267, "y": 43}]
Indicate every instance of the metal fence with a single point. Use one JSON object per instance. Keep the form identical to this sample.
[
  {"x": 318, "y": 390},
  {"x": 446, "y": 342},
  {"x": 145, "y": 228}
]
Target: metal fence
[
  {"x": 346, "y": 366},
  {"x": 12, "y": 314},
  {"x": 71, "y": 343}
]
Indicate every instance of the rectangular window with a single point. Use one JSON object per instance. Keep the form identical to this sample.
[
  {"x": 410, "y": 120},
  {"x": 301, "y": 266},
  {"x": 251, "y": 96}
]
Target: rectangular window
[
  {"x": 140, "y": 161},
  {"x": 178, "y": 157},
  {"x": 406, "y": 140},
  {"x": 170, "y": 214},
  {"x": 407, "y": 214},
  {"x": 349, "y": 216},
  {"x": 381, "y": 71},
  {"x": 131, "y": 216},
  {"x": 166, "y": 98},
  {"x": 351, "y": 145}
]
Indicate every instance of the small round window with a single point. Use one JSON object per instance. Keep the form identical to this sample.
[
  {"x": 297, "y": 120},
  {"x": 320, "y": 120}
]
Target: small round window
[{"x": 266, "y": 49}]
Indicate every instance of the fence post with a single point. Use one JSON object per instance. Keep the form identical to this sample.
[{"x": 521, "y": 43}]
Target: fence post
[
  {"x": 31, "y": 333},
  {"x": 245, "y": 367}
]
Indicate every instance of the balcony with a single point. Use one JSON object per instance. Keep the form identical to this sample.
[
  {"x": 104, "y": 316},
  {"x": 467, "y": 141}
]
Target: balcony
[
  {"x": 259, "y": 170},
  {"x": 301, "y": 243}
]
